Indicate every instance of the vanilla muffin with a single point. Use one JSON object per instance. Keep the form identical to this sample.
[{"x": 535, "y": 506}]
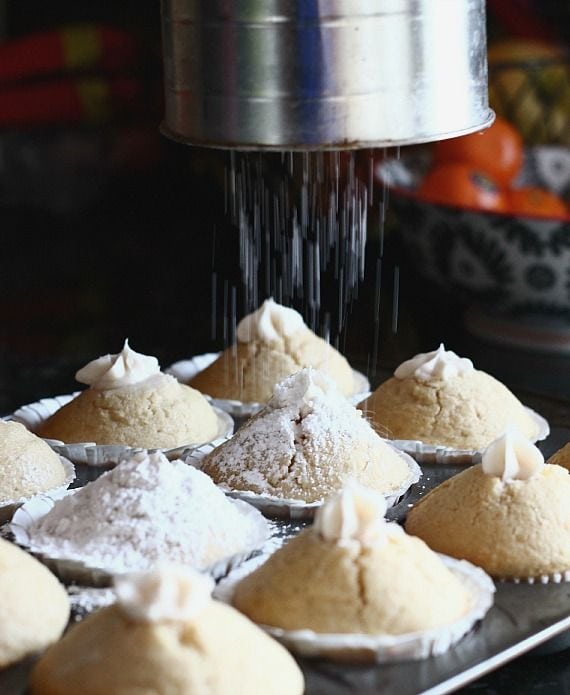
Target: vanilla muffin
[
  {"x": 166, "y": 635},
  {"x": 509, "y": 514},
  {"x": 27, "y": 464},
  {"x": 561, "y": 457},
  {"x": 439, "y": 398},
  {"x": 34, "y": 608},
  {"x": 305, "y": 444},
  {"x": 272, "y": 343},
  {"x": 352, "y": 572},
  {"x": 131, "y": 402}
]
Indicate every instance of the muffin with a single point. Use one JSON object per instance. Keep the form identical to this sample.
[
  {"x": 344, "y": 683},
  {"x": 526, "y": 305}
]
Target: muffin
[
  {"x": 272, "y": 343},
  {"x": 28, "y": 465},
  {"x": 352, "y": 572},
  {"x": 131, "y": 402},
  {"x": 439, "y": 398},
  {"x": 34, "y": 608},
  {"x": 305, "y": 444},
  {"x": 147, "y": 510},
  {"x": 561, "y": 457},
  {"x": 509, "y": 514},
  {"x": 166, "y": 635}
]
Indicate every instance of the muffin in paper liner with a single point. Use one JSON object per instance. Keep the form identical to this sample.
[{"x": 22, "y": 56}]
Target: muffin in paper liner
[
  {"x": 79, "y": 572},
  {"x": 439, "y": 454},
  {"x": 184, "y": 370},
  {"x": 9, "y": 507},
  {"x": 508, "y": 514},
  {"x": 297, "y": 510},
  {"x": 34, "y": 414},
  {"x": 381, "y": 648}
]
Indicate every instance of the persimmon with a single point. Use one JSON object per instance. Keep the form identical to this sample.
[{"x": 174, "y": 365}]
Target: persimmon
[
  {"x": 531, "y": 200},
  {"x": 461, "y": 185},
  {"x": 497, "y": 151}
]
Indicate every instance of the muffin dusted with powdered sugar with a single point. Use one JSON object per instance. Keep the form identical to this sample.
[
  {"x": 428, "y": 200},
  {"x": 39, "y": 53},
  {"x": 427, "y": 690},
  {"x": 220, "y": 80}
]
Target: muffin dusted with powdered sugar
[
  {"x": 305, "y": 444},
  {"x": 272, "y": 343},
  {"x": 144, "y": 511},
  {"x": 27, "y": 464}
]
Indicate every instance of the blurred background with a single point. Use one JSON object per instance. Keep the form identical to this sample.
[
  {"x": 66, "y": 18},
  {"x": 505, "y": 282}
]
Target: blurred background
[{"x": 111, "y": 231}]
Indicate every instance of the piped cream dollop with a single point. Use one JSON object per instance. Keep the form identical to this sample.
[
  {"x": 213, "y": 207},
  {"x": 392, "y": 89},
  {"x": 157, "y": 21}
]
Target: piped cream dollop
[
  {"x": 303, "y": 388},
  {"x": 114, "y": 371},
  {"x": 354, "y": 514},
  {"x": 438, "y": 364},
  {"x": 512, "y": 457},
  {"x": 169, "y": 593},
  {"x": 270, "y": 323}
]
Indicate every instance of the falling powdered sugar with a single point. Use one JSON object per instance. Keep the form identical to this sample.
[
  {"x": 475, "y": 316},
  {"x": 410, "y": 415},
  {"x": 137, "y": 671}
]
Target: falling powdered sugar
[
  {"x": 144, "y": 511},
  {"x": 86, "y": 600}
]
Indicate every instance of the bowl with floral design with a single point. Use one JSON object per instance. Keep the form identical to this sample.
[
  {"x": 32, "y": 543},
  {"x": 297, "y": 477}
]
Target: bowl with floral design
[{"x": 512, "y": 270}]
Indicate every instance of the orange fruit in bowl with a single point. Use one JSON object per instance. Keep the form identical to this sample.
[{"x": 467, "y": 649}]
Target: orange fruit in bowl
[
  {"x": 531, "y": 201},
  {"x": 462, "y": 185},
  {"x": 497, "y": 151}
]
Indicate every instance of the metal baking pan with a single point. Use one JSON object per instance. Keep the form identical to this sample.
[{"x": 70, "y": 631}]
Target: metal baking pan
[{"x": 523, "y": 617}]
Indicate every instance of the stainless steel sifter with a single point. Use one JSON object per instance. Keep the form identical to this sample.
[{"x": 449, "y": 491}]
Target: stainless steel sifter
[{"x": 323, "y": 74}]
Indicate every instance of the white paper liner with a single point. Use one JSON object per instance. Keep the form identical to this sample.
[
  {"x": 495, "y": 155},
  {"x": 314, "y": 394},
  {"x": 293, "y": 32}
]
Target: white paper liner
[
  {"x": 185, "y": 370},
  {"x": 554, "y": 578},
  {"x": 439, "y": 454},
  {"x": 89, "y": 453},
  {"x": 9, "y": 507},
  {"x": 79, "y": 572},
  {"x": 297, "y": 510},
  {"x": 362, "y": 648}
]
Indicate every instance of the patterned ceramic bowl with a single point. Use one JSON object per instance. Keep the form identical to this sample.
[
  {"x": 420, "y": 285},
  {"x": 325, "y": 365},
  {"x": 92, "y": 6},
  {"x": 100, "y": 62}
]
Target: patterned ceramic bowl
[{"x": 515, "y": 270}]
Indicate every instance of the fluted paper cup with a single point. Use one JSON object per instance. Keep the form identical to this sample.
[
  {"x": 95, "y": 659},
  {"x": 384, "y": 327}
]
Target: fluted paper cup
[
  {"x": 380, "y": 648},
  {"x": 297, "y": 510},
  {"x": 440, "y": 454},
  {"x": 34, "y": 415},
  {"x": 82, "y": 571}
]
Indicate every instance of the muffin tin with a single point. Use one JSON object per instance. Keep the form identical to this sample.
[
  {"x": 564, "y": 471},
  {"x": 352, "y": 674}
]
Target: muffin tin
[{"x": 522, "y": 617}]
